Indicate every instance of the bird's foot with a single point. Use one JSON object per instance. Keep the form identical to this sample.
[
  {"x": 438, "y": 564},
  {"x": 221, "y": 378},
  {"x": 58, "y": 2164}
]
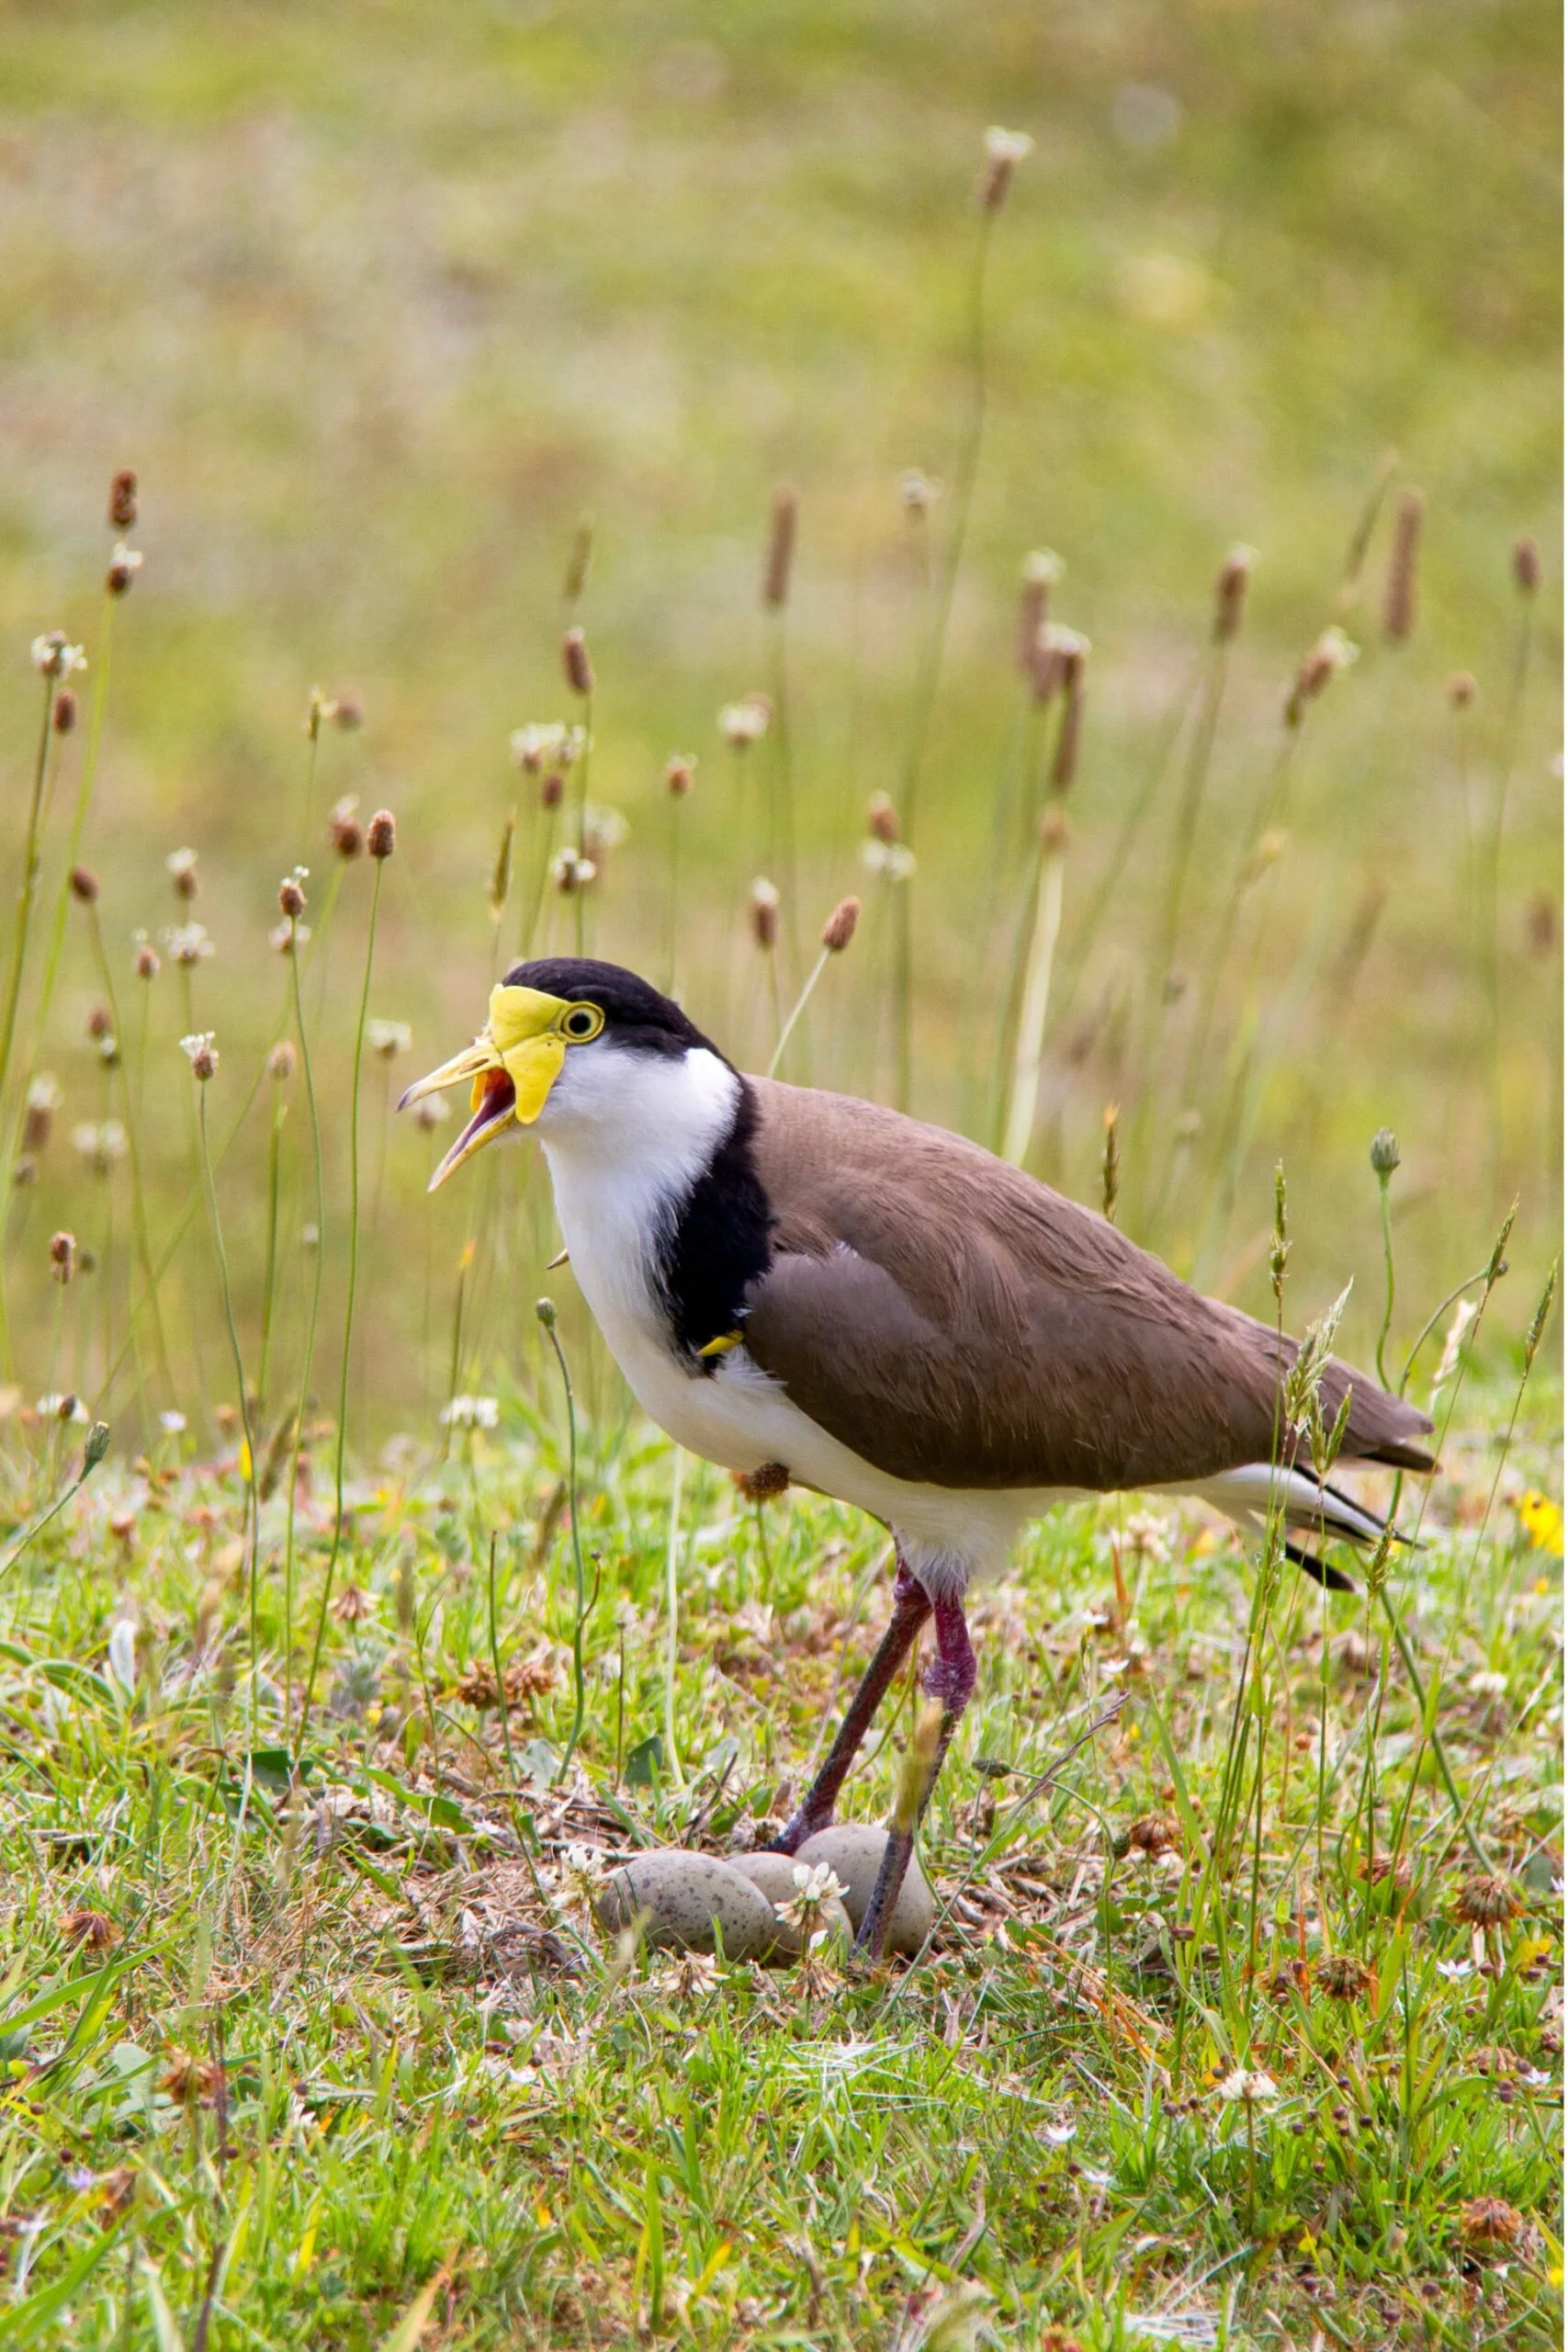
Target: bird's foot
[{"x": 870, "y": 1943}]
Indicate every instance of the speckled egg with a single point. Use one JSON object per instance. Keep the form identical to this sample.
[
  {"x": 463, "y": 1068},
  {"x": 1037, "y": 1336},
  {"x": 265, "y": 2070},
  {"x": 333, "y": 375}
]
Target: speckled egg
[
  {"x": 691, "y": 1901},
  {"x": 854, "y": 1850},
  {"x": 774, "y": 1875}
]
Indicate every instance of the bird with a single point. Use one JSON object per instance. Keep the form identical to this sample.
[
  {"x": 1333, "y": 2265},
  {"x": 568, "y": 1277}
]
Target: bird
[{"x": 808, "y": 1288}]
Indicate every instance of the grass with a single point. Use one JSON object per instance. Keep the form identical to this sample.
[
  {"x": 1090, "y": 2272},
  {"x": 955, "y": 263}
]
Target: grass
[
  {"x": 432, "y": 338},
  {"x": 310, "y": 2058}
]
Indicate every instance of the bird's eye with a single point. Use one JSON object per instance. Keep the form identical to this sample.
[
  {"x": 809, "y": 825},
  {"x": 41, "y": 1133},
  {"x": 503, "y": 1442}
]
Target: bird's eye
[{"x": 581, "y": 1021}]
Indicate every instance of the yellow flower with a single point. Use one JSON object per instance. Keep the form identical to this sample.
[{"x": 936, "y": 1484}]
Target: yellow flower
[{"x": 1541, "y": 1519}]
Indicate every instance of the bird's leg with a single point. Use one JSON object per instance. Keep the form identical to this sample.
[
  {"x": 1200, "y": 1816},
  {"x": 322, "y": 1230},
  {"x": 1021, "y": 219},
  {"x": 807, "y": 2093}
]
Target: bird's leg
[
  {"x": 911, "y": 1607},
  {"x": 950, "y": 1681}
]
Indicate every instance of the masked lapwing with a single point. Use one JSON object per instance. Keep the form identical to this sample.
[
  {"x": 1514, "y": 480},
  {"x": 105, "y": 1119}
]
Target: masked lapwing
[{"x": 801, "y": 1282}]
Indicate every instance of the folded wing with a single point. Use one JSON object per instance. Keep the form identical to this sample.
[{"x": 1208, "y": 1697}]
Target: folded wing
[{"x": 954, "y": 1322}]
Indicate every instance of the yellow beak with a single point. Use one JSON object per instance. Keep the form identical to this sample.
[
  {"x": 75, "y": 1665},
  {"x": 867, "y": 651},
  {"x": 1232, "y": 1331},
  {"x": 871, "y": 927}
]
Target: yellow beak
[{"x": 512, "y": 1065}]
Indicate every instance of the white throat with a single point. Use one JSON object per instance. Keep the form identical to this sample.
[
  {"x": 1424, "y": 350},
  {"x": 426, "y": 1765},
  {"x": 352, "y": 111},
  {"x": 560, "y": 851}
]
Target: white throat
[{"x": 626, "y": 1135}]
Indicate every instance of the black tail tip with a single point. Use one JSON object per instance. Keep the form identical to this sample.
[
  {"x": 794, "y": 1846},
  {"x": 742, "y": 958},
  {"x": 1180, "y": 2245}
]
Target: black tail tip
[{"x": 1331, "y": 1579}]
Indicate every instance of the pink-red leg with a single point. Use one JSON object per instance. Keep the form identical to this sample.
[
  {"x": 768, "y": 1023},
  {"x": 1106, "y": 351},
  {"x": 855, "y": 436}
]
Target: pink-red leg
[
  {"x": 950, "y": 1679},
  {"x": 911, "y": 1607}
]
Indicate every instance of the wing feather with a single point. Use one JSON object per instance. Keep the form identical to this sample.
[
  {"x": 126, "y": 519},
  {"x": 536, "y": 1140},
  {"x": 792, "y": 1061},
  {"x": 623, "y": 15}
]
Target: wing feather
[{"x": 954, "y": 1322}]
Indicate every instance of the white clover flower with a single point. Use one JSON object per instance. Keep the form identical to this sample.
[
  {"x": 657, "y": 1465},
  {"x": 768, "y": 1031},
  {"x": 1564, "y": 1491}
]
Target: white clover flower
[
  {"x": 172, "y": 1422},
  {"x": 538, "y": 746},
  {"x": 190, "y": 944},
  {"x": 1148, "y": 1536},
  {"x": 1044, "y": 567},
  {"x": 60, "y": 1405},
  {"x": 693, "y": 1972},
  {"x": 44, "y": 1093},
  {"x": 602, "y": 829},
  {"x": 180, "y": 865},
  {"x": 1487, "y": 1683},
  {"x": 918, "y": 492},
  {"x": 100, "y": 1145},
  {"x": 741, "y": 723},
  {"x": 583, "y": 1869},
  {"x": 389, "y": 1038},
  {"x": 1058, "y": 2134},
  {"x": 286, "y": 936},
  {"x": 53, "y": 657},
  {"x": 200, "y": 1041},
  {"x": 816, "y": 1886},
  {"x": 570, "y": 872},
  {"x": 1249, "y": 2085},
  {"x": 891, "y": 860},
  {"x": 471, "y": 1413},
  {"x": 125, "y": 558},
  {"x": 1007, "y": 146}
]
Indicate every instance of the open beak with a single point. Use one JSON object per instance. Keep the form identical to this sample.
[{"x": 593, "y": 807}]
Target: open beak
[{"x": 510, "y": 1082}]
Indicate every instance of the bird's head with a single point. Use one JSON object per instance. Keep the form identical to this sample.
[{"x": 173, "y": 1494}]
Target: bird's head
[{"x": 561, "y": 1040}]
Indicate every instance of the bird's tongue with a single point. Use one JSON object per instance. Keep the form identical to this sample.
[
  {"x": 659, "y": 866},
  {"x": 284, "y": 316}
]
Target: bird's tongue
[{"x": 494, "y": 1098}]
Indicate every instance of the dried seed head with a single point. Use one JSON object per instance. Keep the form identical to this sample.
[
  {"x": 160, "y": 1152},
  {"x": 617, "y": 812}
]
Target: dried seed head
[
  {"x": 1069, "y": 740},
  {"x": 1526, "y": 566},
  {"x": 573, "y": 872},
  {"x": 180, "y": 866},
  {"x": 343, "y": 829},
  {"x": 1342, "y": 1976},
  {"x": 1491, "y": 2220},
  {"x": 280, "y": 1062},
  {"x": 62, "y": 1256},
  {"x": 1486, "y": 1899},
  {"x": 1056, "y": 648},
  {"x": 83, "y": 885},
  {"x": 1041, "y": 572},
  {"x": 1005, "y": 150},
  {"x": 122, "y": 500},
  {"x": 100, "y": 1021},
  {"x": 1540, "y": 922},
  {"x": 552, "y": 791},
  {"x": 1461, "y": 690},
  {"x": 388, "y": 1039},
  {"x": 578, "y": 667},
  {"x": 201, "y": 1054},
  {"x": 93, "y": 1930},
  {"x": 381, "y": 834},
  {"x": 1055, "y": 833},
  {"x": 1230, "y": 592},
  {"x": 1334, "y": 651},
  {"x": 63, "y": 717},
  {"x": 347, "y": 712},
  {"x": 121, "y": 575},
  {"x": 431, "y": 1112},
  {"x": 146, "y": 967},
  {"x": 765, "y": 913},
  {"x": 1151, "y": 1834},
  {"x": 744, "y": 722},
  {"x": 780, "y": 548},
  {"x": 840, "y": 927},
  {"x": 1399, "y": 597},
  {"x": 1384, "y": 1152},
  {"x": 882, "y": 818},
  {"x": 290, "y": 899},
  {"x": 578, "y": 561},
  {"x": 680, "y": 773}
]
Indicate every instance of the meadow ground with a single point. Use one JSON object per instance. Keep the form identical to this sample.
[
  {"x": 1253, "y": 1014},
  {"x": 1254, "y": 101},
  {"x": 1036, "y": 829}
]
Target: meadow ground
[
  {"x": 334, "y": 2056},
  {"x": 431, "y": 336}
]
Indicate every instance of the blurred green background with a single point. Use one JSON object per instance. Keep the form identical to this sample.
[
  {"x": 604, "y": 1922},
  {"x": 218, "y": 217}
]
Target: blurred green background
[{"x": 382, "y": 300}]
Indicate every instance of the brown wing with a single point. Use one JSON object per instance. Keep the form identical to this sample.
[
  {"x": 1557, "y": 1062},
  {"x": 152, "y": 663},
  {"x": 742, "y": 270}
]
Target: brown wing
[{"x": 953, "y": 1321}]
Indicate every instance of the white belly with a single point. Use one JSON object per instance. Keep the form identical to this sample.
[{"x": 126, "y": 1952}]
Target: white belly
[{"x": 739, "y": 1417}]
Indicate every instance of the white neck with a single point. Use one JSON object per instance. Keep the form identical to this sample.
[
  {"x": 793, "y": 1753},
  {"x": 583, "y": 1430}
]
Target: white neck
[{"x": 626, "y": 1135}]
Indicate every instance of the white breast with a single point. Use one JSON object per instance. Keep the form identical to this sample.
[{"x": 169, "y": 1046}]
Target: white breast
[{"x": 627, "y": 1136}]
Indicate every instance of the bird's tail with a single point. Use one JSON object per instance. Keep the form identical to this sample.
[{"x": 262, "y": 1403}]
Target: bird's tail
[{"x": 1311, "y": 1511}]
